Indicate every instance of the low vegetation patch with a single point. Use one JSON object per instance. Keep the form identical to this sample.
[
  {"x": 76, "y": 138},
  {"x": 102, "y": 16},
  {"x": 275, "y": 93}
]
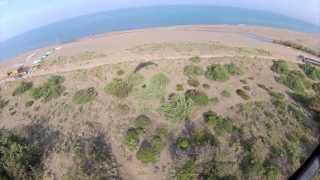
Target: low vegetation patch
[
  {"x": 298, "y": 47},
  {"x": 177, "y": 108},
  {"x": 311, "y": 71},
  {"x": 132, "y": 139},
  {"x": 134, "y": 134},
  {"x": 51, "y": 89},
  {"x": 243, "y": 94},
  {"x": 119, "y": 88},
  {"x": 193, "y": 82},
  {"x": 93, "y": 159},
  {"x": 225, "y": 93},
  {"x": 220, "y": 72},
  {"x": 316, "y": 88},
  {"x": 218, "y": 123},
  {"x": 199, "y": 98},
  {"x": 295, "y": 80},
  {"x": 179, "y": 87},
  {"x": 156, "y": 87},
  {"x": 29, "y": 103},
  {"x": 142, "y": 122},
  {"x": 233, "y": 69},
  {"x": 18, "y": 159},
  {"x": 195, "y": 59},
  {"x": 84, "y": 96},
  {"x": 217, "y": 72},
  {"x": 22, "y": 88},
  {"x": 149, "y": 151},
  {"x": 3, "y": 102},
  {"x": 280, "y": 67},
  {"x": 193, "y": 71}
]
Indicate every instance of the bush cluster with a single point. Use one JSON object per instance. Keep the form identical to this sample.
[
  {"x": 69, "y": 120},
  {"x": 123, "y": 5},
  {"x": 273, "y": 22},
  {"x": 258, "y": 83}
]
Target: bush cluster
[
  {"x": 295, "y": 80},
  {"x": 220, "y": 72},
  {"x": 177, "y": 108},
  {"x": 134, "y": 134},
  {"x": 22, "y": 88},
  {"x": 243, "y": 94},
  {"x": 18, "y": 159},
  {"x": 311, "y": 71},
  {"x": 149, "y": 151},
  {"x": 155, "y": 87},
  {"x": 218, "y": 123},
  {"x": 198, "y": 97},
  {"x": 51, "y": 89},
  {"x": 280, "y": 67},
  {"x": 298, "y": 46},
  {"x": 119, "y": 88},
  {"x": 3, "y": 102},
  {"x": 195, "y": 59},
  {"x": 84, "y": 96},
  {"x": 193, "y": 71}
]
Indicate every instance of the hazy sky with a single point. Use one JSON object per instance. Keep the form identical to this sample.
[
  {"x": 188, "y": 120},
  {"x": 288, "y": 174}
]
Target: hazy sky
[{"x": 17, "y": 16}]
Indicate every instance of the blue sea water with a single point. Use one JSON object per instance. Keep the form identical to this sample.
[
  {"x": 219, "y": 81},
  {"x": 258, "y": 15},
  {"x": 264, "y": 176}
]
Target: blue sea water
[{"x": 127, "y": 19}]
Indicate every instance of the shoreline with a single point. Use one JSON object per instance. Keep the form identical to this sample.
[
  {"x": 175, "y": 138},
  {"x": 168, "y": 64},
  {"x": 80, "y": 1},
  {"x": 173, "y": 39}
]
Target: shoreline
[
  {"x": 113, "y": 33},
  {"x": 121, "y": 46}
]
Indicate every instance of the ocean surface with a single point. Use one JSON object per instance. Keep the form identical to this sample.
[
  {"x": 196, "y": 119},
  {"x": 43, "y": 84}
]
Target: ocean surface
[{"x": 128, "y": 19}]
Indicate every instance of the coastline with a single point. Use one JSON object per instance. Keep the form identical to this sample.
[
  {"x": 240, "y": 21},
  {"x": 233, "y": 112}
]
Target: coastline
[{"x": 116, "y": 44}]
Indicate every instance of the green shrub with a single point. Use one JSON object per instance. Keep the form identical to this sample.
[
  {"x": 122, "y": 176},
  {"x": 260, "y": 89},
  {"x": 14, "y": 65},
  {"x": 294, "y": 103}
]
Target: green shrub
[
  {"x": 195, "y": 59},
  {"x": 142, "y": 122},
  {"x": 295, "y": 80},
  {"x": 119, "y": 88},
  {"x": 18, "y": 159},
  {"x": 311, "y": 71},
  {"x": 280, "y": 67},
  {"x": 316, "y": 88},
  {"x": 52, "y": 89},
  {"x": 242, "y": 94},
  {"x": 206, "y": 86},
  {"x": 233, "y": 69},
  {"x": 156, "y": 87},
  {"x": 92, "y": 158},
  {"x": 187, "y": 172},
  {"x": 149, "y": 151},
  {"x": 193, "y": 82},
  {"x": 219, "y": 123},
  {"x": 226, "y": 93},
  {"x": 314, "y": 104},
  {"x": 135, "y": 79},
  {"x": 120, "y": 72},
  {"x": 84, "y": 96},
  {"x": 193, "y": 71},
  {"x": 183, "y": 143},
  {"x": 217, "y": 72},
  {"x": 177, "y": 108},
  {"x": 247, "y": 88},
  {"x": 3, "y": 103},
  {"x": 198, "y": 97},
  {"x": 179, "y": 87},
  {"x": 243, "y": 81},
  {"x": 29, "y": 103},
  {"x": 22, "y": 88},
  {"x": 277, "y": 95},
  {"x": 132, "y": 138}
]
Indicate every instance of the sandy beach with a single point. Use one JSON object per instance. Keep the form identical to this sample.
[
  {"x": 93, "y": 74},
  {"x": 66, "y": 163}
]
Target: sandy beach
[{"x": 118, "y": 47}]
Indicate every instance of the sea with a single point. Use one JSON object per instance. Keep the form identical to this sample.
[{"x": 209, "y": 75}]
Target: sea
[{"x": 144, "y": 17}]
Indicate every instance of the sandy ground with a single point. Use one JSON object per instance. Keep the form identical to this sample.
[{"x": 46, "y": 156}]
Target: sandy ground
[
  {"x": 116, "y": 47},
  {"x": 93, "y": 61}
]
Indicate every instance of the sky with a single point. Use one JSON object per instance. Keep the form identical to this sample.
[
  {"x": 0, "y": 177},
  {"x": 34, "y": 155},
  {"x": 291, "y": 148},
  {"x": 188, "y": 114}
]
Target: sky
[{"x": 18, "y": 16}]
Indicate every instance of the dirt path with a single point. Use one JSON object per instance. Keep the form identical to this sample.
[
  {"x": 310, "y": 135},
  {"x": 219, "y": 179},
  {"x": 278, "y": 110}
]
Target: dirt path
[{"x": 97, "y": 64}]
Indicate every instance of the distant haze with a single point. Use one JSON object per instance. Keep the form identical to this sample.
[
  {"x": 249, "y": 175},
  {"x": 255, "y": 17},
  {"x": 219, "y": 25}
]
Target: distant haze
[{"x": 18, "y": 16}]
